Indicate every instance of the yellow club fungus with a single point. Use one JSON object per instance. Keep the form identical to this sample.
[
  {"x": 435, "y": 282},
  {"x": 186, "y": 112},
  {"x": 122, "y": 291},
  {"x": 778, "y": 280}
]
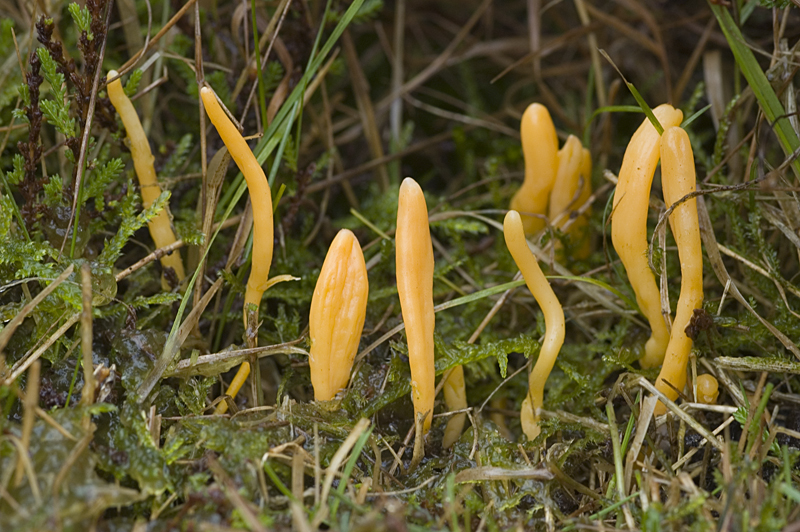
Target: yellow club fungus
[
  {"x": 338, "y": 310},
  {"x": 553, "y": 320},
  {"x": 261, "y": 200},
  {"x": 678, "y": 180},
  {"x": 707, "y": 389},
  {"x": 540, "y": 150},
  {"x": 414, "y": 262},
  {"x": 629, "y": 225},
  {"x": 160, "y": 227},
  {"x": 455, "y": 397},
  {"x": 571, "y": 189}
]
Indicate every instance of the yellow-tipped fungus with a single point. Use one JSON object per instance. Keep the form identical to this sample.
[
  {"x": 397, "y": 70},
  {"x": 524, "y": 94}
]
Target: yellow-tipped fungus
[
  {"x": 629, "y": 225},
  {"x": 261, "y": 200},
  {"x": 414, "y": 261},
  {"x": 678, "y": 180},
  {"x": 455, "y": 397},
  {"x": 571, "y": 189},
  {"x": 338, "y": 309},
  {"x": 553, "y": 319},
  {"x": 540, "y": 150},
  {"x": 160, "y": 227},
  {"x": 707, "y": 389}
]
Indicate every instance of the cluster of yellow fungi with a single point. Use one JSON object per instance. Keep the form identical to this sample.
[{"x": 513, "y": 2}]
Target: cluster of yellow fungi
[
  {"x": 629, "y": 235},
  {"x": 557, "y": 184}
]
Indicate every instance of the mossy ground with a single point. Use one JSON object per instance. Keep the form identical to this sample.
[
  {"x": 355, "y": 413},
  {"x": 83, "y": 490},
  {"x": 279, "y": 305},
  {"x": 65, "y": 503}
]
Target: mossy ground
[{"x": 433, "y": 90}]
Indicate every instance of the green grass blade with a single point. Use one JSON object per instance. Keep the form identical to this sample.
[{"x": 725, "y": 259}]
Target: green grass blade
[{"x": 767, "y": 99}]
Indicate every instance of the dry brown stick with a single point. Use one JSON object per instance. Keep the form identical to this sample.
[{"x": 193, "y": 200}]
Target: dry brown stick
[
  {"x": 437, "y": 64},
  {"x": 272, "y": 31},
  {"x": 204, "y": 193},
  {"x": 367, "y": 112},
  {"x": 688, "y": 70},
  {"x": 347, "y": 174},
  {"x": 175, "y": 18}
]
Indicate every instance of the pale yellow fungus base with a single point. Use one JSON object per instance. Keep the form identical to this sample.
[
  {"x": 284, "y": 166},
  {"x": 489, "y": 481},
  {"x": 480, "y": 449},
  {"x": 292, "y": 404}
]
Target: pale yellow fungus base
[{"x": 455, "y": 397}]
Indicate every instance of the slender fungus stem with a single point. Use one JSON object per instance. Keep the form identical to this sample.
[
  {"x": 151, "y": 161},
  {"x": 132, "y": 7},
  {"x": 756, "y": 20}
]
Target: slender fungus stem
[
  {"x": 540, "y": 150},
  {"x": 629, "y": 225},
  {"x": 414, "y": 264},
  {"x": 160, "y": 227},
  {"x": 261, "y": 200},
  {"x": 553, "y": 320},
  {"x": 678, "y": 180}
]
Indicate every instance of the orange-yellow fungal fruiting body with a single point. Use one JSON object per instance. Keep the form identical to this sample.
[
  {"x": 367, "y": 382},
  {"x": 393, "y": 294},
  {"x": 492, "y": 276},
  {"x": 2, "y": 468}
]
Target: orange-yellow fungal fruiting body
[
  {"x": 707, "y": 389},
  {"x": 455, "y": 397},
  {"x": 571, "y": 189},
  {"x": 338, "y": 310},
  {"x": 678, "y": 180},
  {"x": 629, "y": 225},
  {"x": 553, "y": 319},
  {"x": 540, "y": 150},
  {"x": 261, "y": 200},
  {"x": 160, "y": 226},
  {"x": 414, "y": 264}
]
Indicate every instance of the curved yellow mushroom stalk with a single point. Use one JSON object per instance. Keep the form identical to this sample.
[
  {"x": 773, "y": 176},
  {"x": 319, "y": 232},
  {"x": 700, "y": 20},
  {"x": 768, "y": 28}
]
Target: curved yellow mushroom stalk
[
  {"x": 553, "y": 319},
  {"x": 540, "y": 150},
  {"x": 571, "y": 189},
  {"x": 678, "y": 180},
  {"x": 707, "y": 389},
  {"x": 338, "y": 310},
  {"x": 261, "y": 200},
  {"x": 160, "y": 227},
  {"x": 629, "y": 225},
  {"x": 414, "y": 263}
]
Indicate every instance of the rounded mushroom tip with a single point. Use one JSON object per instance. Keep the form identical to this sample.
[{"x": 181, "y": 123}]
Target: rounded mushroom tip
[
  {"x": 707, "y": 389},
  {"x": 536, "y": 109},
  {"x": 111, "y": 75},
  {"x": 205, "y": 90},
  {"x": 343, "y": 237},
  {"x": 512, "y": 217},
  {"x": 408, "y": 184}
]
